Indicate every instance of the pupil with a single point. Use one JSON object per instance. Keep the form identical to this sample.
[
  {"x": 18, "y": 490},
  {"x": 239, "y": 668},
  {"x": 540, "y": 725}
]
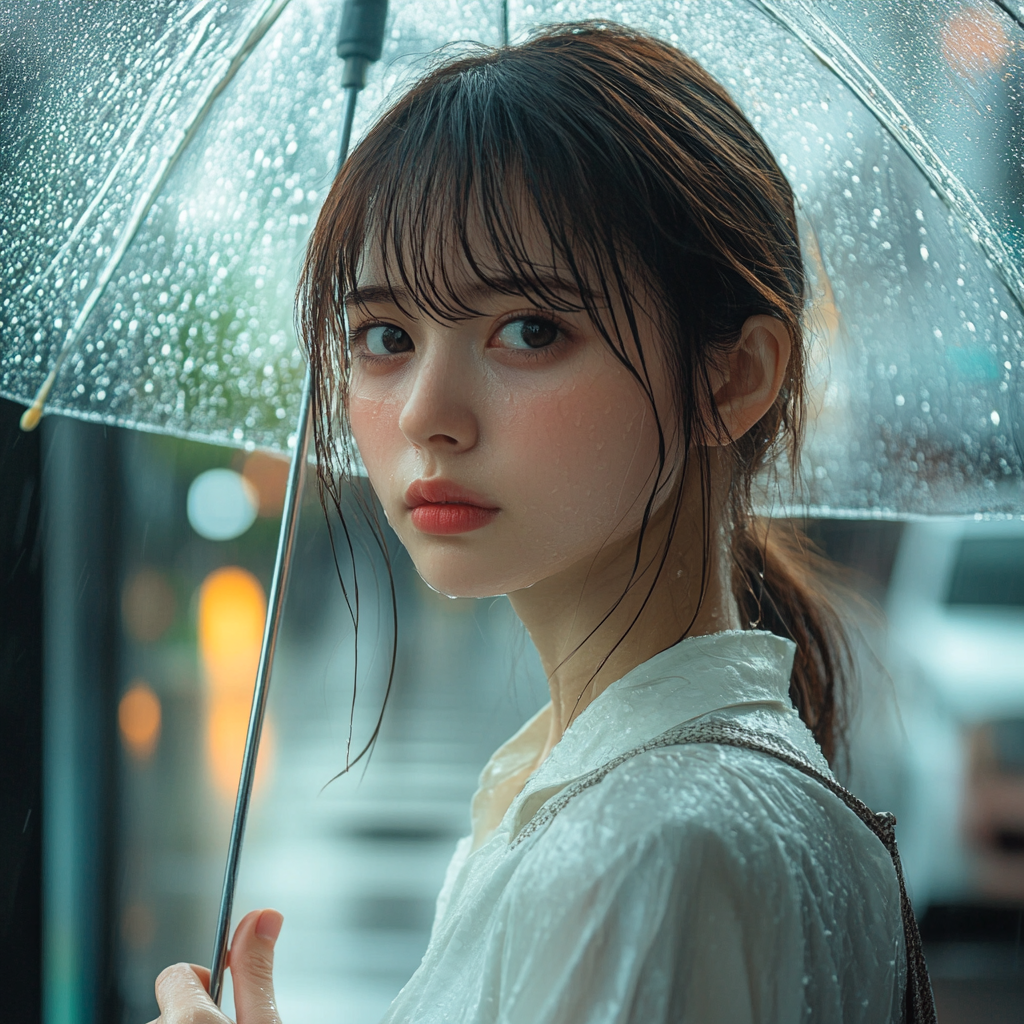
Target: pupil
[{"x": 538, "y": 333}]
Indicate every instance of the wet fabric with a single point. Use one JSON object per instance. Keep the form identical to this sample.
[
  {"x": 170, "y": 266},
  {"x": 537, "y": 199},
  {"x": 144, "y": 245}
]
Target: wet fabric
[{"x": 693, "y": 884}]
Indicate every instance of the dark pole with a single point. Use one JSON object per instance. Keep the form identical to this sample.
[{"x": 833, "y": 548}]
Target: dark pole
[
  {"x": 21, "y": 718},
  {"x": 81, "y": 553},
  {"x": 360, "y": 41}
]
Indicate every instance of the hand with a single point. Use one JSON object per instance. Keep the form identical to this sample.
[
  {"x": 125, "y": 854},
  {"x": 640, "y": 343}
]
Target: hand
[{"x": 182, "y": 991}]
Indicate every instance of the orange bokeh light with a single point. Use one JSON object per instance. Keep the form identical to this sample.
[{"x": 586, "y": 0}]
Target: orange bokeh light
[
  {"x": 232, "y": 612},
  {"x": 138, "y": 716},
  {"x": 974, "y": 42}
]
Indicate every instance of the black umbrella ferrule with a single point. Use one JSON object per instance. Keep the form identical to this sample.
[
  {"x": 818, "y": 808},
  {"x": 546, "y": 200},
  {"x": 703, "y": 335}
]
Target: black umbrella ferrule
[{"x": 360, "y": 38}]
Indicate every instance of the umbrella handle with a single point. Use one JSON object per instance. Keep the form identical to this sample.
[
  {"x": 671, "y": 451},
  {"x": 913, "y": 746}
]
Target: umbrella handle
[{"x": 359, "y": 42}]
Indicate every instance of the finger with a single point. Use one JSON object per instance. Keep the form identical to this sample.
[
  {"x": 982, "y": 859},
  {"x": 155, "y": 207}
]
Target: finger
[
  {"x": 203, "y": 973},
  {"x": 181, "y": 995},
  {"x": 251, "y": 960}
]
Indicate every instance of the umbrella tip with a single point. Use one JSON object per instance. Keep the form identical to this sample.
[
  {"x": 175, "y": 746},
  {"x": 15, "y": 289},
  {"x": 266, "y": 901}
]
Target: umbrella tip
[
  {"x": 34, "y": 413},
  {"x": 31, "y": 416}
]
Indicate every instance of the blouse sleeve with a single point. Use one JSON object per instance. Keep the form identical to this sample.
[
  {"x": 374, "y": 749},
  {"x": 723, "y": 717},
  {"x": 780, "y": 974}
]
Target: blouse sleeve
[{"x": 699, "y": 911}]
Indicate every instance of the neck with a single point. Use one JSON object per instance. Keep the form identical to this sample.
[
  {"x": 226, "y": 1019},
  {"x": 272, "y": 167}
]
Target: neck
[{"x": 590, "y": 630}]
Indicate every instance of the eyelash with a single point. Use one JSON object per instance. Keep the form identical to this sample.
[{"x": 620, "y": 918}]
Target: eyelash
[
  {"x": 356, "y": 338},
  {"x": 357, "y": 335},
  {"x": 538, "y": 354}
]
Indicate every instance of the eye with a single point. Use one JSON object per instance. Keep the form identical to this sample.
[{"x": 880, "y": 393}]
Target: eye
[
  {"x": 387, "y": 340},
  {"x": 529, "y": 332}
]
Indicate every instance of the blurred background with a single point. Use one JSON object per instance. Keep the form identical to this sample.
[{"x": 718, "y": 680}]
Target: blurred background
[
  {"x": 154, "y": 556},
  {"x": 138, "y": 566}
]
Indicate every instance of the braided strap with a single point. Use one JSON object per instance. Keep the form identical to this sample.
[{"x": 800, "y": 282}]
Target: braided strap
[{"x": 919, "y": 1005}]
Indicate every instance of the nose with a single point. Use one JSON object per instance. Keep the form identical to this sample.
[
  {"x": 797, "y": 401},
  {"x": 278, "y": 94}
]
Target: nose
[{"x": 438, "y": 415}]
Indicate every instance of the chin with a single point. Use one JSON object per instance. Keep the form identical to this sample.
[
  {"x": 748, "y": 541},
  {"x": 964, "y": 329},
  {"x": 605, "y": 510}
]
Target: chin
[{"x": 444, "y": 573}]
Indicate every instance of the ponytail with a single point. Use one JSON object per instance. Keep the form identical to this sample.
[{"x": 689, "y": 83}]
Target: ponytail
[{"x": 779, "y": 580}]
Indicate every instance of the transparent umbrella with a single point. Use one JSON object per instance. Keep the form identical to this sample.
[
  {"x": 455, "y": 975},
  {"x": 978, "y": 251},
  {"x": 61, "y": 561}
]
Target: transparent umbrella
[{"x": 163, "y": 163}]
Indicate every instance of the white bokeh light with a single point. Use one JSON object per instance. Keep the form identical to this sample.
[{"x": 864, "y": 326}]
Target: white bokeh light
[{"x": 221, "y": 504}]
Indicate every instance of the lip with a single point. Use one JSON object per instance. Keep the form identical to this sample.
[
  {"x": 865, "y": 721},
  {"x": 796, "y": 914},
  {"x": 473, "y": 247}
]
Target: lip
[
  {"x": 443, "y": 508},
  {"x": 438, "y": 491}
]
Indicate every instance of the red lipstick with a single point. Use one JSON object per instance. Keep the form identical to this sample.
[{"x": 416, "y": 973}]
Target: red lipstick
[{"x": 442, "y": 508}]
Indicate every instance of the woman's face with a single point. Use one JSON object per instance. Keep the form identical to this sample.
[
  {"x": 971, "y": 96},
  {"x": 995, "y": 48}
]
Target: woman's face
[{"x": 506, "y": 447}]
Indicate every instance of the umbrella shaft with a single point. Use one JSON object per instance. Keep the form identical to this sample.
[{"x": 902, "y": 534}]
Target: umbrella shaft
[
  {"x": 282, "y": 566},
  {"x": 279, "y": 583},
  {"x": 351, "y": 93}
]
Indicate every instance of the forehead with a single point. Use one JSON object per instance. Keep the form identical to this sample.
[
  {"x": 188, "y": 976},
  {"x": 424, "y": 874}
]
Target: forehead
[{"x": 444, "y": 266}]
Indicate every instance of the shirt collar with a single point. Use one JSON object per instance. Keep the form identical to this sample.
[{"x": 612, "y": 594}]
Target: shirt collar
[{"x": 696, "y": 676}]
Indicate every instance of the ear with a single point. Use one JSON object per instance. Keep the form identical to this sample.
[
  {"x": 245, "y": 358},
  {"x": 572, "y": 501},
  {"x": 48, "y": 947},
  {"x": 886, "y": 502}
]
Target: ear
[{"x": 748, "y": 379}]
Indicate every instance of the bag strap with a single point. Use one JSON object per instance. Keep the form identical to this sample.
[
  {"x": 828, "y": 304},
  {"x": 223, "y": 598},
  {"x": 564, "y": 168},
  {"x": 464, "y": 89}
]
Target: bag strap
[{"x": 919, "y": 1004}]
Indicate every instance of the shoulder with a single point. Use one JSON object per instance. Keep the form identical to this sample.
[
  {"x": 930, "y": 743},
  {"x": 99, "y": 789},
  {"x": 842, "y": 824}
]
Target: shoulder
[
  {"x": 703, "y": 788},
  {"x": 718, "y": 882},
  {"x": 706, "y": 808}
]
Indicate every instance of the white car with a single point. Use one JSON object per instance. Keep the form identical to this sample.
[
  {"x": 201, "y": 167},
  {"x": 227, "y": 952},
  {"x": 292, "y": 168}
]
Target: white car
[{"x": 956, "y": 656}]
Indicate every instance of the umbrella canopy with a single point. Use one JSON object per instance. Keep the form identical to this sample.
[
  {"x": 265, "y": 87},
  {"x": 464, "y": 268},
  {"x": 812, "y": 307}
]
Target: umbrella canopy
[{"x": 163, "y": 165}]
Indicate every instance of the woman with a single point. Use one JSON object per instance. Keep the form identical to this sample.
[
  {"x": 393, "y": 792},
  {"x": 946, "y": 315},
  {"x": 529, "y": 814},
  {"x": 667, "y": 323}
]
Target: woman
[{"x": 555, "y": 296}]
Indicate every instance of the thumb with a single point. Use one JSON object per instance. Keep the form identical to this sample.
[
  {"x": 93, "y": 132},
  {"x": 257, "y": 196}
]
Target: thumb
[{"x": 251, "y": 960}]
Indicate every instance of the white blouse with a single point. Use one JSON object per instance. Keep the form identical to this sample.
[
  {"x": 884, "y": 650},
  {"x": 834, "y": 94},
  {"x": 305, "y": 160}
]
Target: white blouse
[{"x": 702, "y": 883}]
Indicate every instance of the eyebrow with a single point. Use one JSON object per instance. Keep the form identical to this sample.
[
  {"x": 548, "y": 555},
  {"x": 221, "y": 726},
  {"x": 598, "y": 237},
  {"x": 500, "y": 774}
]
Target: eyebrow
[{"x": 551, "y": 283}]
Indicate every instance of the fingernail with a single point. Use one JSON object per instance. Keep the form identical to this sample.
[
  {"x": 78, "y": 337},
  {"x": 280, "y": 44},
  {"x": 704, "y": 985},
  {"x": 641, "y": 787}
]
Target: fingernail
[{"x": 268, "y": 925}]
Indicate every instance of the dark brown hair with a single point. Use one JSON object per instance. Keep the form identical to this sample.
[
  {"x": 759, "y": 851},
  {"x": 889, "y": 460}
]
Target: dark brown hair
[{"x": 641, "y": 168}]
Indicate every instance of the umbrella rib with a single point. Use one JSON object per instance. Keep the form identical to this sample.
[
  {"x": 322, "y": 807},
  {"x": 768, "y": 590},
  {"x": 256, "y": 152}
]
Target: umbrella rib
[
  {"x": 909, "y": 138},
  {"x": 1009, "y": 11},
  {"x": 271, "y": 12}
]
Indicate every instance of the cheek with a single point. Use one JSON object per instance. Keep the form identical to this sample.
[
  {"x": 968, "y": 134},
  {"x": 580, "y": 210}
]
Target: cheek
[
  {"x": 586, "y": 456},
  {"x": 374, "y": 423},
  {"x": 371, "y": 421}
]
